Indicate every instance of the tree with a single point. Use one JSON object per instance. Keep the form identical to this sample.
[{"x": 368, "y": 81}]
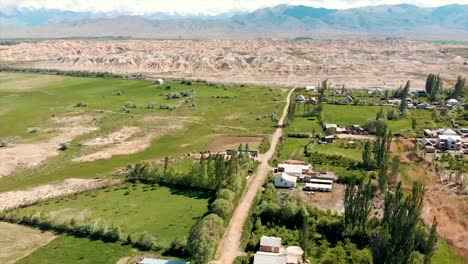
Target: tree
[
  {"x": 395, "y": 168},
  {"x": 357, "y": 204},
  {"x": 367, "y": 156},
  {"x": 304, "y": 232},
  {"x": 322, "y": 91},
  {"x": 403, "y": 97},
  {"x": 145, "y": 242},
  {"x": 380, "y": 114},
  {"x": 343, "y": 90},
  {"x": 221, "y": 207},
  {"x": 413, "y": 123},
  {"x": 459, "y": 90},
  {"x": 204, "y": 237},
  {"x": 433, "y": 86},
  {"x": 430, "y": 243}
]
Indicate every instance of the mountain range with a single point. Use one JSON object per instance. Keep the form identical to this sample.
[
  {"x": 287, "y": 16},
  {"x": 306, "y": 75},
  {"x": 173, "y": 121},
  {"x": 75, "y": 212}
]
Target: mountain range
[{"x": 283, "y": 21}]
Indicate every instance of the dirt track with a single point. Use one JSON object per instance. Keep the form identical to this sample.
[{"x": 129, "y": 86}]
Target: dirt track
[{"x": 229, "y": 247}]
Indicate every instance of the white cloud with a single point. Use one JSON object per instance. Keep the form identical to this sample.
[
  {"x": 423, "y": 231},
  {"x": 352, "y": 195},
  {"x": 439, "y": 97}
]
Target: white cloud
[{"x": 207, "y": 7}]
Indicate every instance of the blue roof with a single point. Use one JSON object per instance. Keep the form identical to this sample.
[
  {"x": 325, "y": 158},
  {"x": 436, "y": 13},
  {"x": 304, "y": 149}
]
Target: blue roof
[{"x": 161, "y": 261}]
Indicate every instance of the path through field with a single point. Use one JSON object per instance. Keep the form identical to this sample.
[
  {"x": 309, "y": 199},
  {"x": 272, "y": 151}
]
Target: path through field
[{"x": 229, "y": 246}]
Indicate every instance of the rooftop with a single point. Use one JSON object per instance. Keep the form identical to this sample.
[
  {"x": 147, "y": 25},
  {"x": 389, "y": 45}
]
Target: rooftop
[
  {"x": 160, "y": 261},
  {"x": 270, "y": 241}
]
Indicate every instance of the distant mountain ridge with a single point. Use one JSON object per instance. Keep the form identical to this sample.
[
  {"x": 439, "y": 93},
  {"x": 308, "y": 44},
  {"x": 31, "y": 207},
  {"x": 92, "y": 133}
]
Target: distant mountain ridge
[{"x": 450, "y": 21}]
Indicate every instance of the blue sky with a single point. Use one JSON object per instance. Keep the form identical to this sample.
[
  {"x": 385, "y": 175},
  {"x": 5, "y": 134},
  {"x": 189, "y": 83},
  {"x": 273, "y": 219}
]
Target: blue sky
[{"x": 205, "y": 7}]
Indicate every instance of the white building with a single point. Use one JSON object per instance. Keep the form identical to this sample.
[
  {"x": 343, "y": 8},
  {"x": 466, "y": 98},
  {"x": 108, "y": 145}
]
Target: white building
[
  {"x": 272, "y": 252},
  {"x": 294, "y": 169},
  {"x": 300, "y": 98},
  {"x": 449, "y": 140},
  {"x": 310, "y": 88},
  {"x": 283, "y": 180},
  {"x": 452, "y": 102},
  {"x": 159, "y": 81}
]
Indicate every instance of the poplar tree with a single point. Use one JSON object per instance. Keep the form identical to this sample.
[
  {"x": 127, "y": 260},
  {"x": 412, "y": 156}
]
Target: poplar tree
[
  {"x": 357, "y": 204},
  {"x": 459, "y": 90},
  {"x": 367, "y": 156}
]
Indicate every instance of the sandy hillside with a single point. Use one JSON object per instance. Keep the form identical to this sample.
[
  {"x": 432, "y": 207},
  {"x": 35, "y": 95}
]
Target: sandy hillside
[{"x": 355, "y": 63}]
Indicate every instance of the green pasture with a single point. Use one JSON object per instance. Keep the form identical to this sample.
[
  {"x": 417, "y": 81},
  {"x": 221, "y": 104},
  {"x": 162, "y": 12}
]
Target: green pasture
[
  {"x": 165, "y": 213},
  {"x": 31, "y": 100}
]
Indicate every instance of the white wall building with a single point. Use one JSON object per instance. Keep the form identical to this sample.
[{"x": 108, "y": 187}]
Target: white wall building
[
  {"x": 283, "y": 180},
  {"x": 294, "y": 169}
]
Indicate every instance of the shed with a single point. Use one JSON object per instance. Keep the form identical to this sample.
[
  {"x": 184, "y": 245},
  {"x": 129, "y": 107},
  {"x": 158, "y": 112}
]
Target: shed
[
  {"x": 159, "y": 81},
  {"x": 294, "y": 169},
  {"x": 270, "y": 244},
  {"x": 300, "y": 98},
  {"x": 270, "y": 258},
  {"x": 310, "y": 88},
  {"x": 329, "y": 138},
  {"x": 284, "y": 180},
  {"x": 318, "y": 187}
]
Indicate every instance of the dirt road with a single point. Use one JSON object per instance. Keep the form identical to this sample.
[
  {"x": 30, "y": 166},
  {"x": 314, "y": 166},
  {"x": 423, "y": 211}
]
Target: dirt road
[{"x": 229, "y": 247}]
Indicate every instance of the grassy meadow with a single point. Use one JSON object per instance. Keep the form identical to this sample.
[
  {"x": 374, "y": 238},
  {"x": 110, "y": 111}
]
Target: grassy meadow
[
  {"x": 166, "y": 213},
  {"x": 31, "y": 100}
]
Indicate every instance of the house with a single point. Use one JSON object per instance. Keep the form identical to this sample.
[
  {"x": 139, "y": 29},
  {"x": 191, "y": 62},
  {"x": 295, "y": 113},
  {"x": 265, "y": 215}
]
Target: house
[
  {"x": 159, "y": 81},
  {"x": 300, "y": 98},
  {"x": 355, "y": 129},
  {"x": 426, "y": 142},
  {"x": 349, "y": 99},
  {"x": 310, "y": 88},
  {"x": 294, "y": 169},
  {"x": 377, "y": 91},
  {"x": 159, "y": 261},
  {"x": 452, "y": 102},
  {"x": 272, "y": 252},
  {"x": 429, "y": 133},
  {"x": 449, "y": 140},
  {"x": 421, "y": 93},
  {"x": 312, "y": 100},
  {"x": 283, "y": 180},
  {"x": 270, "y": 244},
  {"x": 425, "y": 106},
  {"x": 252, "y": 153},
  {"x": 394, "y": 102}
]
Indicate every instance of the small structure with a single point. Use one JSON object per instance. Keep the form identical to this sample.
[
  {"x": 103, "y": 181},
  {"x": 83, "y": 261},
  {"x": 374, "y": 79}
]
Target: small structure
[
  {"x": 252, "y": 153},
  {"x": 349, "y": 99},
  {"x": 294, "y": 169},
  {"x": 329, "y": 138},
  {"x": 312, "y": 100},
  {"x": 452, "y": 102},
  {"x": 159, "y": 261},
  {"x": 300, "y": 98},
  {"x": 425, "y": 106},
  {"x": 377, "y": 91},
  {"x": 270, "y": 244},
  {"x": 295, "y": 254},
  {"x": 421, "y": 93},
  {"x": 394, "y": 102},
  {"x": 159, "y": 81},
  {"x": 429, "y": 133},
  {"x": 318, "y": 187},
  {"x": 327, "y": 175},
  {"x": 283, "y": 180},
  {"x": 310, "y": 88},
  {"x": 428, "y": 146}
]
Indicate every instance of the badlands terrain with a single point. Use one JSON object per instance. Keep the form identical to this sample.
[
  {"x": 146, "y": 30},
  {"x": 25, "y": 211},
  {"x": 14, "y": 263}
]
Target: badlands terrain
[{"x": 356, "y": 64}]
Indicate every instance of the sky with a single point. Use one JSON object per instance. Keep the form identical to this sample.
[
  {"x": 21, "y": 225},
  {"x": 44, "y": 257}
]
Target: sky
[{"x": 204, "y": 7}]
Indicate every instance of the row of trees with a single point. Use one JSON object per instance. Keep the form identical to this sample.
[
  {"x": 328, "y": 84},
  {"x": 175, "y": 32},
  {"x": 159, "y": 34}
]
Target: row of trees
[{"x": 434, "y": 88}]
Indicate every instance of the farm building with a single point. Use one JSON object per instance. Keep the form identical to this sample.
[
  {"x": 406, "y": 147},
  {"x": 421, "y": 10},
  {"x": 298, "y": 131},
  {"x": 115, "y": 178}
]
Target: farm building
[
  {"x": 270, "y": 244},
  {"x": 329, "y": 139},
  {"x": 283, "y": 180},
  {"x": 421, "y": 93},
  {"x": 294, "y": 169},
  {"x": 377, "y": 91},
  {"x": 159, "y": 261},
  {"x": 159, "y": 81},
  {"x": 430, "y": 133},
  {"x": 425, "y": 106},
  {"x": 318, "y": 187}
]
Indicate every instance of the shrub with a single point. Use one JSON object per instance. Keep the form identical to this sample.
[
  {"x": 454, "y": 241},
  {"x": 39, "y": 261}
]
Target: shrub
[
  {"x": 64, "y": 146},
  {"x": 221, "y": 207},
  {"x": 3, "y": 143},
  {"x": 177, "y": 248},
  {"x": 145, "y": 242},
  {"x": 298, "y": 135},
  {"x": 113, "y": 234},
  {"x": 151, "y": 105},
  {"x": 129, "y": 104},
  {"x": 226, "y": 194},
  {"x": 81, "y": 104}
]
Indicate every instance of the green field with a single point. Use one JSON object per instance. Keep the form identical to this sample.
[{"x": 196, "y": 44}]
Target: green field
[
  {"x": 68, "y": 249},
  {"x": 340, "y": 147},
  {"x": 344, "y": 115},
  {"x": 163, "y": 212},
  {"x": 31, "y": 100}
]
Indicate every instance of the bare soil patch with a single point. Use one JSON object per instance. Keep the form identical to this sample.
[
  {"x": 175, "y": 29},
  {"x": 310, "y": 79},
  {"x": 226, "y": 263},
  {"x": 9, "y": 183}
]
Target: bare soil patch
[
  {"x": 14, "y": 199},
  {"x": 128, "y": 140},
  {"x": 18, "y": 241},
  {"x": 451, "y": 212},
  {"x": 32, "y": 154},
  {"x": 332, "y": 201},
  {"x": 222, "y": 142}
]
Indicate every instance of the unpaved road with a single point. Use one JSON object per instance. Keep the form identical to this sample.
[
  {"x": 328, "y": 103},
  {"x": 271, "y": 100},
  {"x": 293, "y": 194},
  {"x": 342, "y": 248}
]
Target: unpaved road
[{"x": 229, "y": 247}]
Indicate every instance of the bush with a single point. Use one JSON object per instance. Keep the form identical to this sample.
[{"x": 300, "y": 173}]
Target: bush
[
  {"x": 145, "y": 242},
  {"x": 221, "y": 207},
  {"x": 226, "y": 194},
  {"x": 81, "y": 104},
  {"x": 3, "y": 143},
  {"x": 64, "y": 146},
  {"x": 177, "y": 248},
  {"x": 129, "y": 104},
  {"x": 151, "y": 105},
  {"x": 113, "y": 234},
  {"x": 298, "y": 135}
]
